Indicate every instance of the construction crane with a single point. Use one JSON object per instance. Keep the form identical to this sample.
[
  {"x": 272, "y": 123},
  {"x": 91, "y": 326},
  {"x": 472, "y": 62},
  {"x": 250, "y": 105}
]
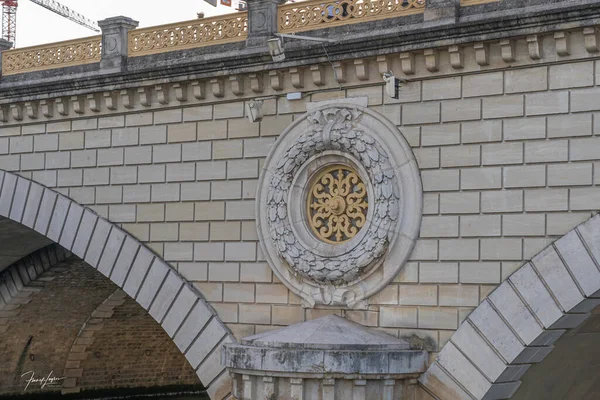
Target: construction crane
[
  {"x": 238, "y": 5},
  {"x": 9, "y": 16}
]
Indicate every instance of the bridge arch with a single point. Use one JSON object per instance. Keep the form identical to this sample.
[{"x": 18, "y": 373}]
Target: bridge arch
[
  {"x": 517, "y": 325},
  {"x": 173, "y": 302}
]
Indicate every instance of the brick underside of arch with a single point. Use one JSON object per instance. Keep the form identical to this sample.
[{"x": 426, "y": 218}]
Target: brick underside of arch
[
  {"x": 517, "y": 325},
  {"x": 15, "y": 288},
  {"x": 175, "y": 304}
]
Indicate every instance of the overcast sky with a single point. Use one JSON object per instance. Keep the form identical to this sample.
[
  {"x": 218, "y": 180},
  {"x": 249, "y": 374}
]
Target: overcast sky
[{"x": 37, "y": 25}]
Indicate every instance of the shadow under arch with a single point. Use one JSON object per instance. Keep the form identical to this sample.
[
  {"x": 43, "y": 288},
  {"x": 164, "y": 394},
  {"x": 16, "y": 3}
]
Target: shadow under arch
[
  {"x": 517, "y": 325},
  {"x": 174, "y": 303}
]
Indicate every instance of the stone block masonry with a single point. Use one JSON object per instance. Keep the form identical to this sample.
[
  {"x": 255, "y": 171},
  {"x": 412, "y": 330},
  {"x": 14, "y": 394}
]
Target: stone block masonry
[{"x": 508, "y": 158}]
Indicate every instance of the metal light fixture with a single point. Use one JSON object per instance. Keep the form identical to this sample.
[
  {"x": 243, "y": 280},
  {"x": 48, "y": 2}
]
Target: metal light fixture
[
  {"x": 254, "y": 110},
  {"x": 276, "y": 44},
  {"x": 276, "y": 49}
]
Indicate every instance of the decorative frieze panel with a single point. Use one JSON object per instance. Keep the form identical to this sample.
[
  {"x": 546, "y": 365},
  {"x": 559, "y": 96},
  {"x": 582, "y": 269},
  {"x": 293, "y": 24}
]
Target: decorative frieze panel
[
  {"x": 188, "y": 34},
  {"x": 315, "y": 14},
  {"x": 339, "y": 205},
  {"x": 54, "y": 55}
]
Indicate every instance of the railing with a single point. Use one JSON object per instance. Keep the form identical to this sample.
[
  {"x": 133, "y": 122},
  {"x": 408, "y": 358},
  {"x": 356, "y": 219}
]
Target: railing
[
  {"x": 53, "y": 55},
  {"x": 315, "y": 14},
  {"x": 188, "y": 34},
  {"x": 293, "y": 17}
]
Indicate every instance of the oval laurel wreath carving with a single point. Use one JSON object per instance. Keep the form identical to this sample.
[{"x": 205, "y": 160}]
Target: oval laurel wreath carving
[{"x": 334, "y": 129}]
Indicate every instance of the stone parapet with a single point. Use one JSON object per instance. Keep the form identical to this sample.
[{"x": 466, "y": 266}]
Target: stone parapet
[{"x": 438, "y": 30}]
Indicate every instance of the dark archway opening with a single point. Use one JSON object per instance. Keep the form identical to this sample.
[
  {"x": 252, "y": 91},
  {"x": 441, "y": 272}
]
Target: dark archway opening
[
  {"x": 71, "y": 333},
  {"x": 571, "y": 370}
]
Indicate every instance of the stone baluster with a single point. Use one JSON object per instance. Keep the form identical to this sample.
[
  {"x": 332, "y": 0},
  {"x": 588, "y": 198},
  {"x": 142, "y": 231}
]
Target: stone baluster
[
  {"x": 297, "y": 388},
  {"x": 360, "y": 389},
  {"x": 409, "y": 391},
  {"x": 328, "y": 389},
  {"x": 269, "y": 387},
  {"x": 247, "y": 384},
  {"x": 388, "y": 389}
]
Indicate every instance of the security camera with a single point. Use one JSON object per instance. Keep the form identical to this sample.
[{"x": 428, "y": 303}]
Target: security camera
[{"x": 392, "y": 84}]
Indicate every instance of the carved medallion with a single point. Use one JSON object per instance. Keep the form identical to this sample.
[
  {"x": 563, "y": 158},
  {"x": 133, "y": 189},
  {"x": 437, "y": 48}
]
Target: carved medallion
[
  {"x": 333, "y": 200},
  {"x": 337, "y": 204}
]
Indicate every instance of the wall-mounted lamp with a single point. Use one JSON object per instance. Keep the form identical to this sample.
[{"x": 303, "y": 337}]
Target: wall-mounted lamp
[
  {"x": 276, "y": 44},
  {"x": 254, "y": 110},
  {"x": 276, "y": 49},
  {"x": 294, "y": 96}
]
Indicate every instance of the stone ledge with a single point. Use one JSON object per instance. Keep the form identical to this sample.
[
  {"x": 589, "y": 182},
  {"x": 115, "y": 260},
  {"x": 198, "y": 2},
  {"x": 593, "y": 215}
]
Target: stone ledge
[
  {"x": 329, "y": 345},
  {"x": 334, "y": 363}
]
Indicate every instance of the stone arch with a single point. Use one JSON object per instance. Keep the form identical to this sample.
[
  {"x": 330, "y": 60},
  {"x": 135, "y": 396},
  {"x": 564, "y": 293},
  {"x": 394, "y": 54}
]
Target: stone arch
[
  {"x": 174, "y": 303},
  {"x": 518, "y": 323}
]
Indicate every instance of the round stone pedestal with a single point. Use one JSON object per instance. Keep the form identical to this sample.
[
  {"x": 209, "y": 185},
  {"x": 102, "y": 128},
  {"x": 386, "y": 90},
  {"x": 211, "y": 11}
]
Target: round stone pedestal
[{"x": 324, "y": 359}]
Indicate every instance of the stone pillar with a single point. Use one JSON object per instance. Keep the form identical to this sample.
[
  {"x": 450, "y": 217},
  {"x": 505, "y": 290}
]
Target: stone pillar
[
  {"x": 442, "y": 10},
  {"x": 388, "y": 389},
  {"x": 297, "y": 388},
  {"x": 114, "y": 42},
  {"x": 269, "y": 388},
  {"x": 262, "y": 21},
  {"x": 328, "y": 386},
  {"x": 409, "y": 391},
  {"x": 360, "y": 390},
  {"x": 4, "y": 45},
  {"x": 247, "y": 393}
]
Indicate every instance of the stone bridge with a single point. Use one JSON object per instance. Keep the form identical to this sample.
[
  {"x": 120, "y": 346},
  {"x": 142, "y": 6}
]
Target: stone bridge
[{"x": 429, "y": 172}]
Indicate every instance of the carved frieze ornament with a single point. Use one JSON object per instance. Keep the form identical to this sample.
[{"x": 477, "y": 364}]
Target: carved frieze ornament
[{"x": 339, "y": 205}]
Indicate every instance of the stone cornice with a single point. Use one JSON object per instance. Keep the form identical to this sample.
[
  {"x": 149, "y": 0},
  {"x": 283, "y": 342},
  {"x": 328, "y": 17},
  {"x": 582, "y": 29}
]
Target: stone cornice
[
  {"x": 119, "y": 93},
  {"x": 356, "y": 41}
]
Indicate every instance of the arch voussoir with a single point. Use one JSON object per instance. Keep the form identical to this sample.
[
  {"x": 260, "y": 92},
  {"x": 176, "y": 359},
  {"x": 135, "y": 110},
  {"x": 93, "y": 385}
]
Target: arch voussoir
[
  {"x": 519, "y": 322},
  {"x": 172, "y": 301}
]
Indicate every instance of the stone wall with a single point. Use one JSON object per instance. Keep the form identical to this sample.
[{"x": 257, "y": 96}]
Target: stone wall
[
  {"x": 34, "y": 341},
  {"x": 131, "y": 350},
  {"x": 60, "y": 326},
  {"x": 507, "y": 150}
]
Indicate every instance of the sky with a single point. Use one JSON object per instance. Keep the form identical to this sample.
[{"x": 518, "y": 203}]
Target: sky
[{"x": 37, "y": 25}]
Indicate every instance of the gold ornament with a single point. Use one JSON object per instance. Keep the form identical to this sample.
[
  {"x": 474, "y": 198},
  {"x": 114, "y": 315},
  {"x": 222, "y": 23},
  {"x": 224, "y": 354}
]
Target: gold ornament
[
  {"x": 316, "y": 14},
  {"x": 54, "y": 55},
  {"x": 337, "y": 204},
  {"x": 188, "y": 34}
]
